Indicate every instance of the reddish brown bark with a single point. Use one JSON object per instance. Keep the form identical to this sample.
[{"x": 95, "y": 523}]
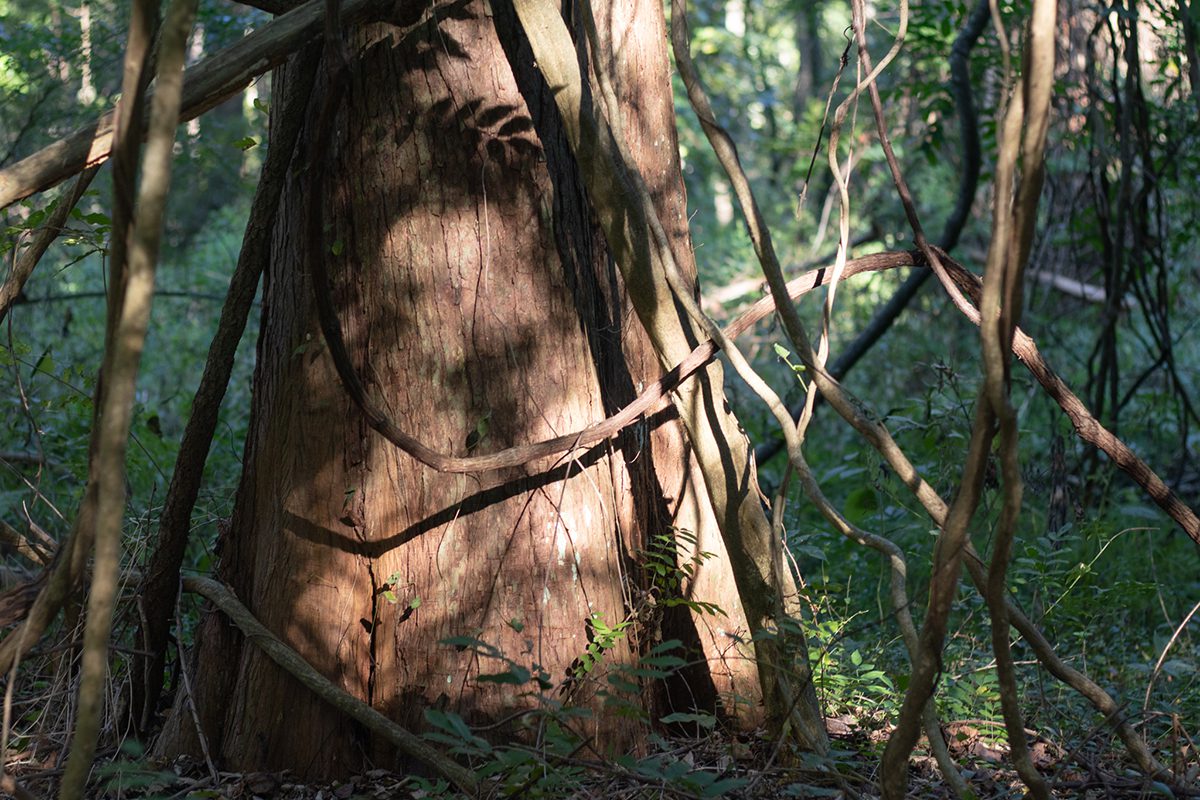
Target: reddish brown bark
[{"x": 471, "y": 283}]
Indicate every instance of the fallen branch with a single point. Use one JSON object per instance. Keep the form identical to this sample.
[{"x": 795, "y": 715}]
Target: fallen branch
[{"x": 290, "y": 661}]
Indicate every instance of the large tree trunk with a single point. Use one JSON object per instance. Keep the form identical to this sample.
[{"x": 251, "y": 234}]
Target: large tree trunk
[{"x": 472, "y": 284}]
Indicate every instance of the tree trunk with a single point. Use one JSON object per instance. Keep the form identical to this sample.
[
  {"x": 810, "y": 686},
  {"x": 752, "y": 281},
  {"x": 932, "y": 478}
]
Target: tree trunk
[{"x": 476, "y": 296}]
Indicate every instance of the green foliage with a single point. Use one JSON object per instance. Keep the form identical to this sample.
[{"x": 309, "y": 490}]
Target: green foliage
[
  {"x": 51, "y": 357},
  {"x": 681, "y": 776},
  {"x": 667, "y": 572},
  {"x": 846, "y": 674},
  {"x": 133, "y": 773},
  {"x": 601, "y": 638},
  {"x": 551, "y": 769}
]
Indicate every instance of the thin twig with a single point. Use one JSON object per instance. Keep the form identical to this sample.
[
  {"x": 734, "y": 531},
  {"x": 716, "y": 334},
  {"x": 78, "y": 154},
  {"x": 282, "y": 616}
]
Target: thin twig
[{"x": 190, "y": 697}]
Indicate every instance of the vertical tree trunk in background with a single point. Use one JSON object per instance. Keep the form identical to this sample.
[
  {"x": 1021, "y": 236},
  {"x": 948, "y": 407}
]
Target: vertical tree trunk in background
[
  {"x": 635, "y": 31},
  {"x": 810, "y": 78},
  {"x": 472, "y": 284}
]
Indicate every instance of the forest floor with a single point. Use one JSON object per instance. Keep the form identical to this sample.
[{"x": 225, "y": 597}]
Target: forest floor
[{"x": 755, "y": 767}]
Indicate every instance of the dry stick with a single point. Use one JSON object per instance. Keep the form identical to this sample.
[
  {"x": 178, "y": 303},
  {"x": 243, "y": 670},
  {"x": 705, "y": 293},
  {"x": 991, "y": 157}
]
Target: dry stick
[
  {"x": 760, "y": 234},
  {"x": 121, "y": 378},
  {"x": 29, "y": 546},
  {"x": 843, "y": 186},
  {"x": 1163, "y": 656},
  {"x": 5, "y": 778},
  {"x": 162, "y": 572},
  {"x": 206, "y": 85},
  {"x": 407, "y": 742},
  {"x": 28, "y": 258},
  {"x": 190, "y": 696},
  {"x": 49, "y": 590}
]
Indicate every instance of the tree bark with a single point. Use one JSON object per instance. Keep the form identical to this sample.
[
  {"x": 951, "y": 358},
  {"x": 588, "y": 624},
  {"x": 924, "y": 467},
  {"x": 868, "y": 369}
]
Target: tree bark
[{"x": 473, "y": 287}]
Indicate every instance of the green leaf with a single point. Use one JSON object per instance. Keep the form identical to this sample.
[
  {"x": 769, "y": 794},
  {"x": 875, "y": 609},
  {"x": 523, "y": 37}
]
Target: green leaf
[
  {"x": 665, "y": 647},
  {"x": 245, "y": 143},
  {"x": 337, "y": 247},
  {"x": 45, "y": 364},
  {"x": 621, "y": 684},
  {"x": 458, "y": 730}
]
